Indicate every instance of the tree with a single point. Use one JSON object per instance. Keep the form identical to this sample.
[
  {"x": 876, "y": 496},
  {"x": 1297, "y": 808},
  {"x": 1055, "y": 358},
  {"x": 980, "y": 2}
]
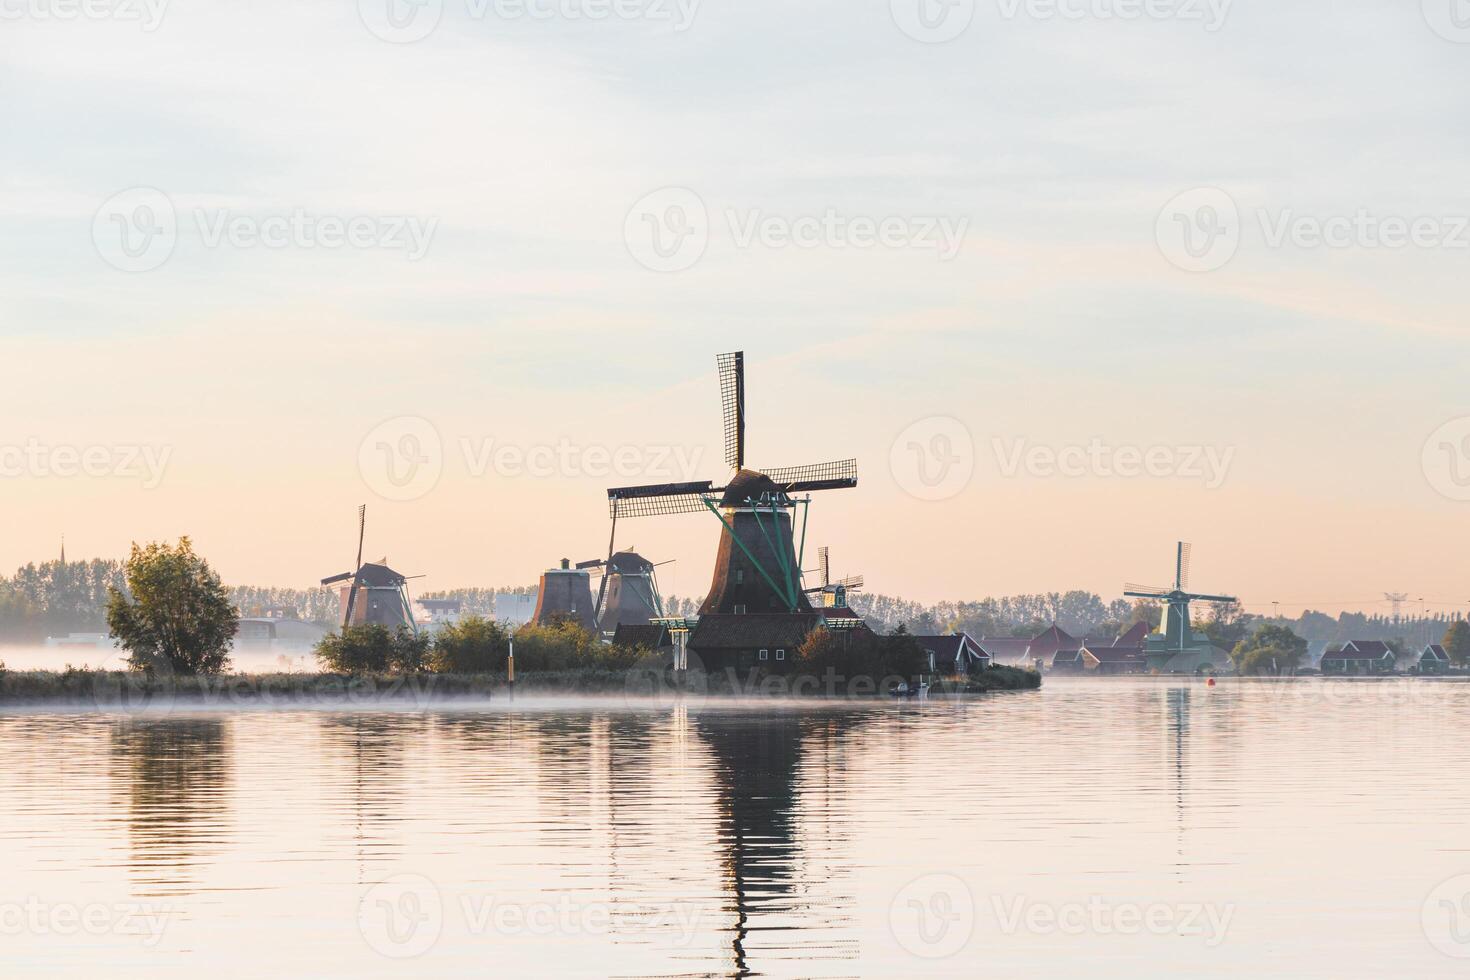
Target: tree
[
  {"x": 174, "y": 614},
  {"x": 1457, "y": 643},
  {"x": 373, "y": 649},
  {"x": 1269, "y": 650},
  {"x": 474, "y": 645}
]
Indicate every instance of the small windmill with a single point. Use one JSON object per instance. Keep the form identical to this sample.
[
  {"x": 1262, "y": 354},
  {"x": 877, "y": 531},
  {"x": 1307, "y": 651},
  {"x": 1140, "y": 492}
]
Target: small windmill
[
  {"x": 374, "y": 594},
  {"x": 833, "y": 594},
  {"x": 1176, "y": 631},
  {"x": 628, "y": 594},
  {"x": 758, "y": 566}
]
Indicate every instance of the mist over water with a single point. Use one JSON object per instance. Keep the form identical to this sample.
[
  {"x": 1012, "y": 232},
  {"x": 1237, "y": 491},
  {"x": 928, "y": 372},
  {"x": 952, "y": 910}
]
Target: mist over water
[
  {"x": 243, "y": 659},
  {"x": 1312, "y": 820}
]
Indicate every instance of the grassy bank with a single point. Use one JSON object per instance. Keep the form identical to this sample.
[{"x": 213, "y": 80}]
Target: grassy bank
[
  {"x": 997, "y": 678},
  {"x": 127, "y": 690}
]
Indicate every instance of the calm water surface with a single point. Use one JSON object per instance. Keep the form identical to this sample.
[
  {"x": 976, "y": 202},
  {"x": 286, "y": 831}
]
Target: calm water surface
[{"x": 1121, "y": 829}]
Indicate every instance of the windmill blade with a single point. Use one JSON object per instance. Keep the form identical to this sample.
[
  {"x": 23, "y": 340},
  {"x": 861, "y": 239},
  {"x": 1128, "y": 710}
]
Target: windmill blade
[
  {"x": 852, "y": 583},
  {"x": 1135, "y": 587},
  {"x": 824, "y": 565},
  {"x": 1185, "y": 549},
  {"x": 361, "y": 531},
  {"x": 594, "y": 563},
  {"x": 732, "y": 404},
  {"x": 1214, "y": 598},
  {"x": 839, "y": 475},
  {"x": 338, "y": 578},
  {"x": 657, "y": 506}
]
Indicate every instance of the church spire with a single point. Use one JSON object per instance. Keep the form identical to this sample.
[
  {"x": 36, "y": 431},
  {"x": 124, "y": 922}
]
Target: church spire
[{"x": 63, "y": 547}]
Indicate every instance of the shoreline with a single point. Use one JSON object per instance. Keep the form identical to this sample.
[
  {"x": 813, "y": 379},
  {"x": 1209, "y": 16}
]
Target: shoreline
[{"x": 129, "y": 690}]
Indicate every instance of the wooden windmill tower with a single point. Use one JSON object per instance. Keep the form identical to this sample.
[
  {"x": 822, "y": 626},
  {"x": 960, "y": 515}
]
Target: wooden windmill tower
[
  {"x": 758, "y": 564},
  {"x": 628, "y": 594},
  {"x": 373, "y": 594},
  {"x": 1176, "y": 634}
]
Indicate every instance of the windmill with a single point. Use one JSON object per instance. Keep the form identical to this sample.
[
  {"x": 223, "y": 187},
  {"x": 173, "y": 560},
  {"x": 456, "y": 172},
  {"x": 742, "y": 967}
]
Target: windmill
[
  {"x": 833, "y": 594},
  {"x": 758, "y": 565},
  {"x": 628, "y": 594},
  {"x": 1175, "y": 629},
  {"x": 565, "y": 594},
  {"x": 373, "y": 594}
]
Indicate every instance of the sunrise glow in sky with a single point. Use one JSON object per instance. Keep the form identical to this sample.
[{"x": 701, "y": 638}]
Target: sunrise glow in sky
[{"x": 509, "y": 251}]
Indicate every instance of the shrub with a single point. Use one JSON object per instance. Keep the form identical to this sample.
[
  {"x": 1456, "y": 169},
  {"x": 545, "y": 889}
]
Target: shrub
[
  {"x": 373, "y": 649},
  {"x": 474, "y": 645}
]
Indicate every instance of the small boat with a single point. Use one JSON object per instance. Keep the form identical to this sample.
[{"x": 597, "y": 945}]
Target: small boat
[{"x": 906, "y": 690}]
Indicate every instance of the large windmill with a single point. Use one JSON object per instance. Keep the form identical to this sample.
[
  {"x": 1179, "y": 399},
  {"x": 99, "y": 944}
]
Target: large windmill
[
  {"x": 373, "y": 594},
  {"x": 758, "y": 565},
  {"x": 1176, "y": 632},
  {"x": 832, "y": 594}
]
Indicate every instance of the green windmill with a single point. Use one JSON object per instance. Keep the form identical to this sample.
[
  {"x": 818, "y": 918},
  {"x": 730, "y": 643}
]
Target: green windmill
[{"x": 1175, "y": 636}]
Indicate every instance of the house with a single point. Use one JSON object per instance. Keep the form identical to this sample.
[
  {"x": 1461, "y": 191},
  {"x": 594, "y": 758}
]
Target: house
[
  {"x": 1047, "y": 645},
  {"x": 1134, "y": 635},
  {"x": 441, "y": 612},
  {"x": 743, "y": 641},
  {"x": 1433, "y": 661},
  {"x": 1360, "y": 657},
  {"x": 1067, "y": 662},
  {"x": 1114, "y": 659},
  {"x": 954, "y": 654},
  {"x": 1009, "y": 651}
]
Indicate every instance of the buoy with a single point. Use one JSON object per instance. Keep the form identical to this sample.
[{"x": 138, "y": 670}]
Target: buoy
[{"x": 1210, "y": 682}]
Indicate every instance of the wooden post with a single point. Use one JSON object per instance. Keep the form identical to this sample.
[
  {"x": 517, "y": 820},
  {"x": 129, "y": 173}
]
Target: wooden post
[{"x": 510, "y": 667}]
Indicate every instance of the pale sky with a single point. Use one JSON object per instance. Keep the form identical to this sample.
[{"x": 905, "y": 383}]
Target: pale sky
[{"x": 1292, "y": 395}]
